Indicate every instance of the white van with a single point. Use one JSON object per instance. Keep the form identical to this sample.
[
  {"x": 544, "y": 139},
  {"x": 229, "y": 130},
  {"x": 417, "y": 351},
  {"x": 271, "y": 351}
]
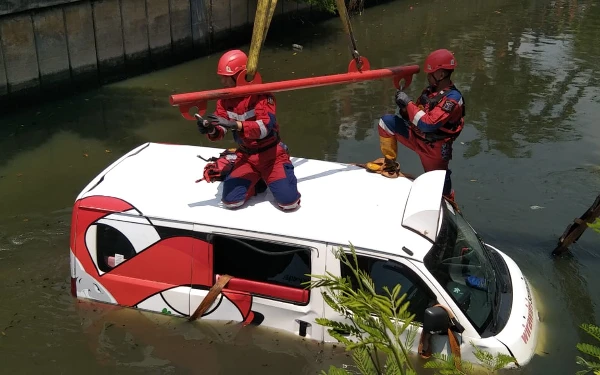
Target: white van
[{"x": 146, "y": 235}]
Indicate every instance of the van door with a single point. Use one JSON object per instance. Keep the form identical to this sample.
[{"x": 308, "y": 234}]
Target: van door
[
  {"x": 267, "y": 287},
  {"x": 138, "y": 263},
  {"x": 390, "y": 272}
]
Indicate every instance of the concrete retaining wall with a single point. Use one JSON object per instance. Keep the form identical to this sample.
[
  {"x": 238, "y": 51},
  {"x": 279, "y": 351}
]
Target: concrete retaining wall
[{"x": 58, "y": 45}]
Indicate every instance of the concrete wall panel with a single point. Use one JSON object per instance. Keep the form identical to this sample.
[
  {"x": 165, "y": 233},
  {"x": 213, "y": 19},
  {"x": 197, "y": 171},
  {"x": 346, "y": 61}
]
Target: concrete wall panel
[
  {"x": 200, "y": 25},
  {"x": 3, "y": 82},
  {"x": 239, "y": 13},
  {"x": 221, "y": 15},
  {"x": 14, "y": 6},
  {"x": 181, "y": 25},
  {"x": 52, "y": 51},
  {"x": 20, "y": 57},
  {"x": 159, "y": 27},
  {"x": 135, "y": 30},
  {"x": 79, "y": 24},
  {"x": 109, "y": 38}
]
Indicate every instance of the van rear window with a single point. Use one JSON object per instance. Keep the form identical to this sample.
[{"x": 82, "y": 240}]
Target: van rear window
[
  {"x": 112, "y": 247},
  {"x": 262, "y": 261}
]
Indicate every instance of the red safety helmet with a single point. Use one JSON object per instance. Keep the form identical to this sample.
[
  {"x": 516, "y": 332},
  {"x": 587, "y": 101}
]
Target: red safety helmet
[
  {"x": 439, "y": 59},
  {"x": 232, "y": 62}
]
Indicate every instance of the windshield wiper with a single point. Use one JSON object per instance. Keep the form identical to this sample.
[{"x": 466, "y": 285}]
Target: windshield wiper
[
  {"x": 495, "y": 263},
  {"x": 496, "y": 304}
]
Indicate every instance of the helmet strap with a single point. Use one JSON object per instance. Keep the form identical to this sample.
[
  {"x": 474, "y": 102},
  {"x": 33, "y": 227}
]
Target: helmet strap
[{"x": 437, "y": 81}]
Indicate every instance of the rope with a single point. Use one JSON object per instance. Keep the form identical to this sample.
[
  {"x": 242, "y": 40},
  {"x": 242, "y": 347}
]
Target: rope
[
  {"x": 264, "y": 13},
  {"x": 345, "y": 18},
  {"x": 262, "y": 19}
]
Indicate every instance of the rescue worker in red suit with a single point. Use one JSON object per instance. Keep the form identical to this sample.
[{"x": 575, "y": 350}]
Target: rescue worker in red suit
[
  {"x": 261, "y": 156},
  {"x": 429, "y": 126}
]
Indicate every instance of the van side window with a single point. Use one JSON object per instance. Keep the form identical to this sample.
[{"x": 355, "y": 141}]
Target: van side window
[
  {"x": 111, "y": 245},
  {"x": 389, "y": 273},
  {"x": 262, "y": 261}
]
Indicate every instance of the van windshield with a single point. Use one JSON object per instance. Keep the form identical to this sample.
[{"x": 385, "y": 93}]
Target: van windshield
[{"x": 460, "y": 263}]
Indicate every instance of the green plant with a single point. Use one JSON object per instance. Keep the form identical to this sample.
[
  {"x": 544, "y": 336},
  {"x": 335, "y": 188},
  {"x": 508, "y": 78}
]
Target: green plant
[
  {"x": 377, "y": 321},
  {"x": 446, "y": 366},
  {"x": 589, "y": 349}
]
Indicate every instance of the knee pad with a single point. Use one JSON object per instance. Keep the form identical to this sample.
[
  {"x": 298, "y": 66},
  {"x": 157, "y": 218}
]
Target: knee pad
[
  {"x": 235, "y": 192},
  {"x": 285, "y": 189}
]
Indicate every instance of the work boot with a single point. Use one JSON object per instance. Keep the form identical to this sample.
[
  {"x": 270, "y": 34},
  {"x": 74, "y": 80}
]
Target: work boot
[
  {"x": 385, "y": 167},
  {"x": 389, "y": 149}
]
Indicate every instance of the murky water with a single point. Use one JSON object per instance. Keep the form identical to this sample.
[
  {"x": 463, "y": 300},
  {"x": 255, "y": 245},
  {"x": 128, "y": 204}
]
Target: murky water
[{"x": 529, "y": 71}]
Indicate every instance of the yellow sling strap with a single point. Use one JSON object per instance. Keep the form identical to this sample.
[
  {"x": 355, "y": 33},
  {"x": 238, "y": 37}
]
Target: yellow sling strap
[{"x": 262, "y": 20}]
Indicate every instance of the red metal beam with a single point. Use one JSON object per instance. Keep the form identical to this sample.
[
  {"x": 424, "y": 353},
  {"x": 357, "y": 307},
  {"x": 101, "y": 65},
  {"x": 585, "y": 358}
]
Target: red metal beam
[{"x": 198, "y": 99}]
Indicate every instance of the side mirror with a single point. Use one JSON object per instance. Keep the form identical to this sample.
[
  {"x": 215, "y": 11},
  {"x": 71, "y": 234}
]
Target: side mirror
[{"x": 436, "y": 320}]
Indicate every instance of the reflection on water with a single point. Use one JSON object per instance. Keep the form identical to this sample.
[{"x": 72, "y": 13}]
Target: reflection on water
[{"x": 529, "y": 72}]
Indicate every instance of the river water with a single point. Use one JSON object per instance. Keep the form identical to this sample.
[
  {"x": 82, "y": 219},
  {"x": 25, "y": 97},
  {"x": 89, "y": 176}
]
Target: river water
[{"x": 527, "y": 164}]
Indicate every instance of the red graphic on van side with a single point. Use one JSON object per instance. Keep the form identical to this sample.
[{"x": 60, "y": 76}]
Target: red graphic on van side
[{"x": 166, "y": 263}]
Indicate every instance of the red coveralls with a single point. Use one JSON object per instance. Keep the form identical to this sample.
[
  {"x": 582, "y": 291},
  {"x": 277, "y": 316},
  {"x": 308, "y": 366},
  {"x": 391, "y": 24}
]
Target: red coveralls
[
  {"x": 430, "y": 128},
  {"x": 260, "y": 154}
]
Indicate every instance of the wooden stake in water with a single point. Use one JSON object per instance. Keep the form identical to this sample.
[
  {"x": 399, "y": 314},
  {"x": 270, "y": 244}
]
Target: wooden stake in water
[{"x": 576, "y": 229}]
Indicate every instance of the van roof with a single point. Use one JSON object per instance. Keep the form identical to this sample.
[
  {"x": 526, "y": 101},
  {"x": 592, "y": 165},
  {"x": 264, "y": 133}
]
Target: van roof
[{"x": 340, "y": 203}]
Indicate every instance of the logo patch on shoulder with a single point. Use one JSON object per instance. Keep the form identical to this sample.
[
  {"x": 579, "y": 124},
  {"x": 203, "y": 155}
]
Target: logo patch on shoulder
[{"x": 448, "y": 106}]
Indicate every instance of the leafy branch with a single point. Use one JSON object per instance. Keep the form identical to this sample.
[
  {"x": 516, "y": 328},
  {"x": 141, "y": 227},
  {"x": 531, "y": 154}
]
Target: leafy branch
[
  {"x": 591, "y": 350},
  {"x": 373, "y": 326},
  {"x": 374, "y": 323},
  {"x": 490, "y": 364}
]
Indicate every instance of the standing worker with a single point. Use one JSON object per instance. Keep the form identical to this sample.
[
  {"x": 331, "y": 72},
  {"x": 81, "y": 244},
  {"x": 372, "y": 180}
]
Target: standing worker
[
  {"x": 261, "y": 155},
  {"x": 429, "y": 126}
]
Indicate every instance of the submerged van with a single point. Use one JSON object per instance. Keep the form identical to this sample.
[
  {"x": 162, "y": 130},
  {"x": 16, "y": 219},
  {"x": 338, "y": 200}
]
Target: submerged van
[{"x": 145, "y": 235}]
